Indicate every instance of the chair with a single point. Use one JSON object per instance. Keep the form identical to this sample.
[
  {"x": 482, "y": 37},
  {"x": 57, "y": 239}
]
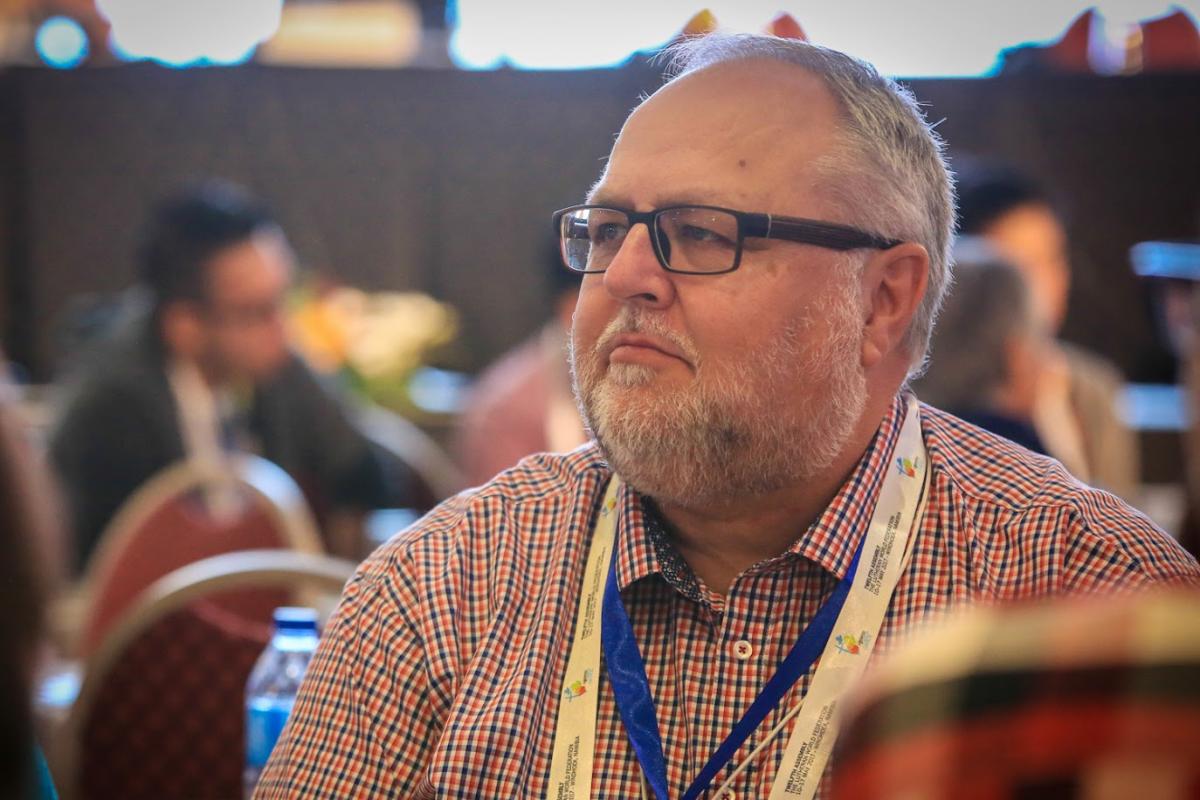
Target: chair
[
  {"x": 170, "y": 522},
  {"x": 160, "y": 713},
  {"x": 434, "y": 469}
]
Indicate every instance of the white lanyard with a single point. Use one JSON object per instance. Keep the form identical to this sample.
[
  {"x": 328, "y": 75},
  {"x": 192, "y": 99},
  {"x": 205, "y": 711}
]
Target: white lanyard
[
  {"x": 575, "y": 733},
  {"x": 845, "y": 655},
  {"x": 197, "y": 410}
]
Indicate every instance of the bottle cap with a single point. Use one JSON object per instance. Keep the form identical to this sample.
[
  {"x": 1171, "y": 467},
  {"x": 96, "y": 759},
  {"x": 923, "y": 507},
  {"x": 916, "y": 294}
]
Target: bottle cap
[{"x": 289, "y": 618}]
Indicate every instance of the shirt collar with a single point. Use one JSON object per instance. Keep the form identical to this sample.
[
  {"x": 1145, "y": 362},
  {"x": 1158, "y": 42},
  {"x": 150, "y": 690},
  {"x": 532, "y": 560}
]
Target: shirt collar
[
  {"x": 637, "y": 553},
  {"x": 644, "y": 549}
]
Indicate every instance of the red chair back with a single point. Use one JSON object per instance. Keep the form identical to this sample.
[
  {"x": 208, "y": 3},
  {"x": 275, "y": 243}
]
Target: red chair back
[
  {"x": 161, "y": 710},
  {"x": 170, "y": 523},
  {"x": 167, "y": 720}
]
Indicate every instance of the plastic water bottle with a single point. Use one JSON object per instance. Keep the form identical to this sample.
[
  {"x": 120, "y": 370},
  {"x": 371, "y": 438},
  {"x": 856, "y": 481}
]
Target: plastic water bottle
[{"x": 271, "y": 689}]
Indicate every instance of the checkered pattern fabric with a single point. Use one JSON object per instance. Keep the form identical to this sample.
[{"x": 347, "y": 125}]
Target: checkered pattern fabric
[
  {"x": 1079, "y": 698},
  {"x": 439, "y": 675},
  {"x": 169, "y": 715}
]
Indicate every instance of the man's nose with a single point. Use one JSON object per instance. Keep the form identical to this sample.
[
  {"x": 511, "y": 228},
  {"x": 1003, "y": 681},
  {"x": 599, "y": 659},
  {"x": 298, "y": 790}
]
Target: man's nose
[{"x": 635, "y": 273}]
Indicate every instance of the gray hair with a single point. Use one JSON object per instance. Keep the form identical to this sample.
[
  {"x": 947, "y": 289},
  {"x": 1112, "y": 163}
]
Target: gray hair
[
  {"x": 988, "y": 307},
  {"x": 889, "y": 174}
]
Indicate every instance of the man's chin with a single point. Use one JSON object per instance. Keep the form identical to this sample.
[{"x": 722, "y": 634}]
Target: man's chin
[
  {"x": 643, "y": 469},
  {"x": 630, "y": 376}
]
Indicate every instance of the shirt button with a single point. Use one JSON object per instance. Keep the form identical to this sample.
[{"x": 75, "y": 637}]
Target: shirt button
[{"x": 742, "y": 650}]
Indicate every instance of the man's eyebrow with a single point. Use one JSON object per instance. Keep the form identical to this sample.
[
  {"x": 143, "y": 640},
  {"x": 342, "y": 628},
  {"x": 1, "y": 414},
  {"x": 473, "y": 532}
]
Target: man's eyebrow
[{"x": 698, "y": 196}]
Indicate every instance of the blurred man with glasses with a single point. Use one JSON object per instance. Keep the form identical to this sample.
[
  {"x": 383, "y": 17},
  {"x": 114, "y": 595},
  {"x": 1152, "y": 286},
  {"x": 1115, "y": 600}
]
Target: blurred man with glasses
[
  {"x": 202, "y": 368},
  {"x": 675, "y": 611}
]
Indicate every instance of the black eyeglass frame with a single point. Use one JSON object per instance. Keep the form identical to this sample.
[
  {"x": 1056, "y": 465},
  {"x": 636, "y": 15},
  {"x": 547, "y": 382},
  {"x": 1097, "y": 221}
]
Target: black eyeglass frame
[{"x": 756, "y": 225}]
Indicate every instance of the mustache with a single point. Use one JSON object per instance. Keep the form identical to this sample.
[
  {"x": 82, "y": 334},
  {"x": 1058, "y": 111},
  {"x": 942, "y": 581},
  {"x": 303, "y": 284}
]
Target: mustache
[{"x": 634, "y": 320}]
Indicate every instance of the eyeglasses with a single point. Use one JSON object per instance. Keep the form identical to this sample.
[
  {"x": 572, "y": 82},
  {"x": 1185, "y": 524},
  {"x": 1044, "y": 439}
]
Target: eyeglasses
[{"x": 705, "y": 240}]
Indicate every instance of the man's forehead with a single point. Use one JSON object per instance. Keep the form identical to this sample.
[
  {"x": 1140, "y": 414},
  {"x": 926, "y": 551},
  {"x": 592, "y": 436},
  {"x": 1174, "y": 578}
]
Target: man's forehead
[
  {"x": 263, "y": 259},
  {"x": 749, "y": 92},
  {"x": 620, "y": 190},
  {"x": 721, "y": 135}
]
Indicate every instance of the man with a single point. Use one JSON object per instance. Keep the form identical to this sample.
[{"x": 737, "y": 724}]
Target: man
[
  {"x": 741, "y": 373},
  {"x": 207, "y": 369},
  {"x": 986, "y": 347},
  {"x": 1075, "y": 406}
]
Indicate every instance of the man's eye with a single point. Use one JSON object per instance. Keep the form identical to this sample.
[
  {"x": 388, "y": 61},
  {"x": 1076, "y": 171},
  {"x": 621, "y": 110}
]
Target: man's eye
[
  {"x": 608, "y": 232},
  {"x": 696, "y": 233}
]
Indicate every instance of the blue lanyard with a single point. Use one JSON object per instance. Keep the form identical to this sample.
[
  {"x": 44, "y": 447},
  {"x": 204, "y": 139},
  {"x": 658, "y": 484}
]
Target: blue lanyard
[{"x": 631, "y": 688}]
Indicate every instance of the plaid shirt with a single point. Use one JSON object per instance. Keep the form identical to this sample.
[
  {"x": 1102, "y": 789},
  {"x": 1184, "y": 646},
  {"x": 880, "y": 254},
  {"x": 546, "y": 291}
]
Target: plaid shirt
[
  {"x": 1085, "y": 697},
  {"x": 439, "y": 674}
]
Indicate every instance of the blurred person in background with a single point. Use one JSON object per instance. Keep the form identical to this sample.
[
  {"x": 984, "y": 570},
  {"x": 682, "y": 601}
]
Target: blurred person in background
[
  {"x": 29, "y": 530},
  {"x": 984, "y": 354},
  {"x": 1075, "y": 411},
  {"x": 522, "y": 404},
  {"x": 204, "y": 369}
]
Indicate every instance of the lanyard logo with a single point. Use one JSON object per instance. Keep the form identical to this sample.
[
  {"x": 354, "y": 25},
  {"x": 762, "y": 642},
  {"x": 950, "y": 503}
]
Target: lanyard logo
[
  {"x": 908, "y": 467},
  {"x": 610, "y": 505},
  {"x": 850, "y": 644},
  {"x": 578, "y": 688}
]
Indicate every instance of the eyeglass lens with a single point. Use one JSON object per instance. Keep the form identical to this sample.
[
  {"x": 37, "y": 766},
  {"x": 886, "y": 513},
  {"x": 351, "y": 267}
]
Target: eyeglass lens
[{"x": 689, "y": 239}]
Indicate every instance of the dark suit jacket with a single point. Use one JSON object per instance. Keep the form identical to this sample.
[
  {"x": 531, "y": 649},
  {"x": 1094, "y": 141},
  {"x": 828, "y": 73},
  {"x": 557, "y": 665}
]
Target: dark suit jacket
[{"x": 119, "y": 426}]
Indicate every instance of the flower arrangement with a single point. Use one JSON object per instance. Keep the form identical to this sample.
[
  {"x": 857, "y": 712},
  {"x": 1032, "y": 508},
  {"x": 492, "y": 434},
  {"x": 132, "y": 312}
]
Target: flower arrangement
[{"x": 373, "y": 341}]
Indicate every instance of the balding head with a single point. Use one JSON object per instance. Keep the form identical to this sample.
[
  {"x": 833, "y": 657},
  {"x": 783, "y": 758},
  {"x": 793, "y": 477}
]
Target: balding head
[
  {"x": 885, "y": 171},
  {"x": 759, "y": 129}
]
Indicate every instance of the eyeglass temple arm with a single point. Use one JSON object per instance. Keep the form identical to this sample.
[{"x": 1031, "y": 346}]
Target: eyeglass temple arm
[{"x": 822, "y": 234}]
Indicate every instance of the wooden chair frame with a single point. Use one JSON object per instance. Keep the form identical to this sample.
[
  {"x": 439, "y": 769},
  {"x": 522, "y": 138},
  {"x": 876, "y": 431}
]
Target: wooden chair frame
[{"x": 270, "y": 486}]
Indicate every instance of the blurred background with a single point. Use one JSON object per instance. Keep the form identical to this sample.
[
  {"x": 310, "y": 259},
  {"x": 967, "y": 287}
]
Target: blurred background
[
  {"x": 377, "y": 128},
  {"x": 420, "y": 146}
]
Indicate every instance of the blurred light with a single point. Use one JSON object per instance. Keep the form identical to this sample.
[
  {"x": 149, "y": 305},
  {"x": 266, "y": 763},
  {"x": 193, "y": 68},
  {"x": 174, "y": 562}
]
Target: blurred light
[
  {"x": 906, "y": 38},
  {"x": 189, "y": 32},
  {"x": 1154, "y": 407},
  {"x": 438, "y": 391},
  {"x": 353, "y": 33},
  {"x": 545, "y": 34},
  {"x": 62, "y": 42}
]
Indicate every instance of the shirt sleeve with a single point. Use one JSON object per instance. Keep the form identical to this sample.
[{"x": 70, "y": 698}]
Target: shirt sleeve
[
  {"x": 1112, "y": 546},
  {"x": 366, "y": 720}
]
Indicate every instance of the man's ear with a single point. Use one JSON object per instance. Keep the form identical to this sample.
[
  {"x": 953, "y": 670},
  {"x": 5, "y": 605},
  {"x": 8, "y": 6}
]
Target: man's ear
[
  {"x": 894, "y": 283},
  {"x": 182, "y": 329}
]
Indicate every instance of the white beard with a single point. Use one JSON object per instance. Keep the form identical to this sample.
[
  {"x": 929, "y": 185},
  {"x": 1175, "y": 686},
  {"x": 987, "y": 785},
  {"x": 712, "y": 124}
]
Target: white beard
[{"x": 740, "y": 429}]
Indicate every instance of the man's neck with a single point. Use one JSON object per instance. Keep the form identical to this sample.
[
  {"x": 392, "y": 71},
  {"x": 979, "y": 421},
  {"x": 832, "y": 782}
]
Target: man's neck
[
  {"x": 721, "y": 540},
  {"x": 215, "y": 379}
]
